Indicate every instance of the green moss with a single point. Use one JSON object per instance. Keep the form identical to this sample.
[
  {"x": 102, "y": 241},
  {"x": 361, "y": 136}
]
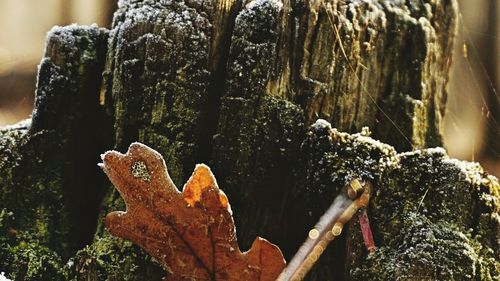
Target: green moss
[
  {"x": 112, "y": 259},
  {"x": 429, "y": 251},
  {"x": 31, "y": 261},
  {"x": 180, "y": 156},
  {"x": 23, "y": 257},
  {"x": 43, "y": 161},
  {"x": 428, "y": 209},
  {"x": 34, "y": 197},
  {"x": 251, "y": 132},
  {"x": 433, "y": 217},
  {"x": 335, "y": 158},
  {"x": 430, "y": 183},
  {"x": 32, "y": 190}
]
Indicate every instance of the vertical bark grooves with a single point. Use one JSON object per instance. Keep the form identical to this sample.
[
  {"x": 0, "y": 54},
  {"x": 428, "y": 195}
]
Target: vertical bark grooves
[
  {"x": 50, "y": 187},
  {"x": 222, "y": 28},
  {"x": 70, "y": 78},
  {"x": 339, "y": 68},
  {"x": 168, "y": 75}
]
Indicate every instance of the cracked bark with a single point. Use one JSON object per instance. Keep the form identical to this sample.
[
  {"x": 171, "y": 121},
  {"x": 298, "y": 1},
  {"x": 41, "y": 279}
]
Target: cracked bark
[{"x": 237, "y": 85}]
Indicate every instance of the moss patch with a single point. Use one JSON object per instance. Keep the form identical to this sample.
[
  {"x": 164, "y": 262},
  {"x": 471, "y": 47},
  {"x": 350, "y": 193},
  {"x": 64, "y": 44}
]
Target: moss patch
[
  {"x": 112, "y": 259},
  {"x": 433, "y": 218}
]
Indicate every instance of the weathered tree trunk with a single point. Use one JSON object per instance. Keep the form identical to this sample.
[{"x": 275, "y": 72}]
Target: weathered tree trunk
[{"x": 237, "y": 86}]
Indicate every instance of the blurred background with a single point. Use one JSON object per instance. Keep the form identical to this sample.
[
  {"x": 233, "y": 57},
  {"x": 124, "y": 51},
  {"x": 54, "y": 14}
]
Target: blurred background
[
  {"x": 24, "y": 24},
  {"x": 471, "y": 127}
]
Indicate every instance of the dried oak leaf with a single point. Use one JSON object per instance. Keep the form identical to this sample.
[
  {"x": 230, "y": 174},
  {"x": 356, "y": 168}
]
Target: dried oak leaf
[{"x": 191, "y": 234}]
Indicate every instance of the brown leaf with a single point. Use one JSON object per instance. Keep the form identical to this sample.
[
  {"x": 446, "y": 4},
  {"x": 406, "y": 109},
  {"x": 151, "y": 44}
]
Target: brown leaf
[{"x": 191, "y": 234}]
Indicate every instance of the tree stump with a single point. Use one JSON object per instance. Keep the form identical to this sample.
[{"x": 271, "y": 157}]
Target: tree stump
[{"x": 239, "y": 86}]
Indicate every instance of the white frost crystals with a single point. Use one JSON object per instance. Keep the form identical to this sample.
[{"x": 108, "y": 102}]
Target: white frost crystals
[{"x": 3, "y": 278}]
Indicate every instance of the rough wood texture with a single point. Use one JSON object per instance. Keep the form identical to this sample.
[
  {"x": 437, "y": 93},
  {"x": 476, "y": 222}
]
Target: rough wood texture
[
  {"x": 237, "y": 85},
  {"x": 48, "y": 174},
  {"x": 432, "y": 216}
]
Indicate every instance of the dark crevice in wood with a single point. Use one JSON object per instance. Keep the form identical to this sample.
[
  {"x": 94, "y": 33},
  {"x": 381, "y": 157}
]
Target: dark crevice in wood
[
  {"x": 68, "y": 104},
  {"x": 217, "y": 86}
]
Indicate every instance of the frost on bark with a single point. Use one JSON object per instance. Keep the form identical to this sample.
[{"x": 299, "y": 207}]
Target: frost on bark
[
  {"x": 48, "y": 180},
  {"x": 239, "y": 86}
]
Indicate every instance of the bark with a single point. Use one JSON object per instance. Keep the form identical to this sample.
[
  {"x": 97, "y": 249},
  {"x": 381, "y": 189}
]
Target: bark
[
  {"x": 48, "y": 183},
  {"x": 239, "y": 86}
]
